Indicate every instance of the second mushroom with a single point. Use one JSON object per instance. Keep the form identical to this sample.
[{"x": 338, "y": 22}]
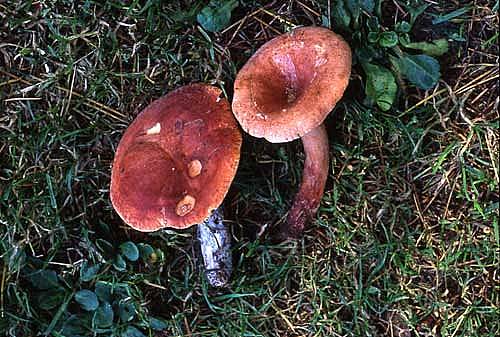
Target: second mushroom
[
  {"x": 173, "y": 167},
  {"x": 284, "y": 92}
]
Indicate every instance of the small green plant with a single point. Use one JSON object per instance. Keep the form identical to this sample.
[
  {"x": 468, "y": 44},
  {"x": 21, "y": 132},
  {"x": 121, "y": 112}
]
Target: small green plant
[
  {"x": 216, "y": 15},
  {"x": 99, "y": 304},
  {"x": 388, "y": 54}
]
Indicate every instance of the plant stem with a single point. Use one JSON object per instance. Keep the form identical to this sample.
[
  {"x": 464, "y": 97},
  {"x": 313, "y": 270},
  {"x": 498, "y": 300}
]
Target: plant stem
[
  {"x": 215, "y": 243},
  {"x": 314, "y": 176}
]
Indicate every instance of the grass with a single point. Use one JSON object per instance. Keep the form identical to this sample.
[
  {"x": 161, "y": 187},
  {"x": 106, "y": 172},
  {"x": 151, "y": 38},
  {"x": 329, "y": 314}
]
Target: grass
[{"x": 407, "y": 240}]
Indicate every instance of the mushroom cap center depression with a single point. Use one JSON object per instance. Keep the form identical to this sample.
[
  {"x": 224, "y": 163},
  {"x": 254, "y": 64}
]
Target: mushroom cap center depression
[
  {"x": 288, "y": 75},
  {"x": 288, "y": 87}
]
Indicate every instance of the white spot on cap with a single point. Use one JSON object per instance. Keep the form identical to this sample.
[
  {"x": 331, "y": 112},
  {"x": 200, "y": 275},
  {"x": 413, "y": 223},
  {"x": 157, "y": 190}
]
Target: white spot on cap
[
  {"x": 154, "y": 129},
  {"x": 194, "y": 168}
]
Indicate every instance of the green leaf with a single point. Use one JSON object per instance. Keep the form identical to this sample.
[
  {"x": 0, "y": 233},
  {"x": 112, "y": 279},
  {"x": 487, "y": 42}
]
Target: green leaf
[
  {"x": 103, "y": 316},
  {"x": 388, "y": 39},
  {"x": 44, "y": 279},
  {"x": 421, "y": 70},
  {"x": 87, "y": 299},
  {"x": 216, "y": 15},
  {"x": 87, "y": 272},
  {"x": 131, "y": 331},
  {"x": 452, "y": 15},
  {"x": 103, "y": 291},
  {"x": 188, "y": 15},
  {"x": 119, "y": 263},
  {"x": 340, "y": 14},
  {"x": 402, "y": 27},
  {"x": 126, "y": 310},
  {"x": 373, "y": 24},
  {"x": 145, "y": 251},
  {"x": 380, "y": 85},
  {"x": 157, "y": 324},
  {"x": 415, "y": 12},
  {"x": 367, "y": 53},
  {"x": 73, "y": 326},
  {"x": 51, "y": 299},
  {"x": 373, "y": 37},
  {"x": 434, "y": 48},
  {"x": 367, "y": 5},
  {"x": 354, "y": 8},
  {"x": 129, "y": 250}
]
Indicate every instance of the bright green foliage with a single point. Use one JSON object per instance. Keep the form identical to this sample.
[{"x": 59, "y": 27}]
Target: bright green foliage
[
  {"x": 380, "y": 85},
  {"x": 421, "y": 70},
  {"x": 375, "y": 44},
  {"x": 434, "y": 48}
]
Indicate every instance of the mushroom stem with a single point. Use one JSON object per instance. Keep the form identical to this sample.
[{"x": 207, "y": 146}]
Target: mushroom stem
[
  {"x": 314, "y": 176},
  {"x": 215, "y": 243}
]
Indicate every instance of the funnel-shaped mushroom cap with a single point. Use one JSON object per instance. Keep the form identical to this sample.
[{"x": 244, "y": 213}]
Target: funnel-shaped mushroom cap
[
  {"x": 288, "y": 87},
  {"x": 176, "y": 161}
]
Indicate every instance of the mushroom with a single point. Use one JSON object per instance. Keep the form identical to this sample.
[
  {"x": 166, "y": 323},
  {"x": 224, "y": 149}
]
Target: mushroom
[
  {"x": 173, "y": 168},
  {"x": 284, "y": 92}
]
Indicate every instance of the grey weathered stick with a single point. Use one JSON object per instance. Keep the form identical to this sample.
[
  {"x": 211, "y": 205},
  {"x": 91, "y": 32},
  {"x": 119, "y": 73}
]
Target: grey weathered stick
[{"x": 215, "y": 242}]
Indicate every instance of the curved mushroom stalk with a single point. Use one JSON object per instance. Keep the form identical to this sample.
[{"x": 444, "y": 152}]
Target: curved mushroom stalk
[
  {"x": 215, "y": 244},
  {"x": 307, "y": 200}
]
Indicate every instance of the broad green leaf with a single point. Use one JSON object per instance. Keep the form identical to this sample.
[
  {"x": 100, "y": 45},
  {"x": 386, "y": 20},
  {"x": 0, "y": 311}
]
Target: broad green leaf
[
  {"x": 44, "y": 279},
  {"x": 103, "y": 291},
  {"x": 434, "y": 48},
  {"x": 216, "y": 15},
  {"x": 340, "y": 14},
  {"x": 388, "y": 39},
  {"x": 119, "y": 263},
  {"x": 87, "y": 272},
  {"x": 131, "y": 331},
  {"x": 421, "y": 70},
  {"x": 126, "y": 310},
  {"x": 157, "y": 324},
  {"x": 380, "y": 85},
  {"x": 129, "y": 250},
  {"x": 103, "y": 316},
  {"x": 87, "y": 299}
]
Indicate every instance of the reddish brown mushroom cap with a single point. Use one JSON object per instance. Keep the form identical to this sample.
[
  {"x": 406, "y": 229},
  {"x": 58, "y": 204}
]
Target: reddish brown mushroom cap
[
  {"x": 288, "y": 87},
  {"x": 176, "y": 161}
]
